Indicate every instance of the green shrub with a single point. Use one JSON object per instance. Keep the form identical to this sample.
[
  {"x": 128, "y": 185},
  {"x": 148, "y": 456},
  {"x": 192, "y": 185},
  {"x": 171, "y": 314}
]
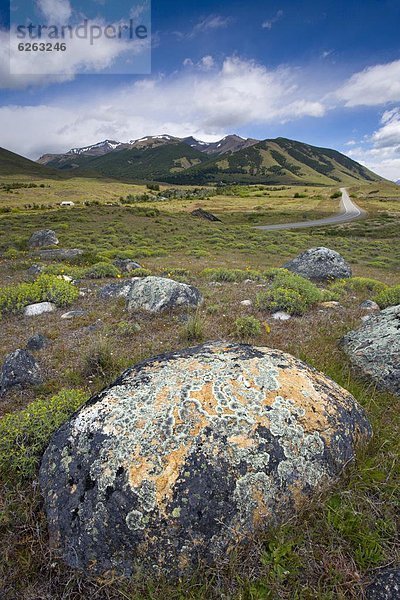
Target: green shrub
[
  {"x": 358, "y": 284},
  {"x": 388, "y": 297},
  {"x": 100, "y": 361},
  {"x": 25, "y": 434},
  {"x": 47, "y": 288},
  {"x": 102, "y": 270},
  {"x": 138, "y": 273},
  {"x": 231, "y": 275},
  {"x": 336, "y": 195},
  {"x": 64, "y": 269},
  {"x": 247, "y": 327},
  {"x": 289, "y": 292}
]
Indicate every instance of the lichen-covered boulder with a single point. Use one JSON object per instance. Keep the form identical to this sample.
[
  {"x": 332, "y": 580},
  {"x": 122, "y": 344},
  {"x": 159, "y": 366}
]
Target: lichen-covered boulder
[
  {"x": 374, "y": 348},
  {"x": 156, "y": 294},
  {"x": 114, "y": 290},
  {"x": 59, "y": 254},
  {"x": 19, "y": 369},
  {"x": 386, "y": 586},
  {"x": 319, "y": 264},
  {"x": 188, "y": 454},
  {"x": 44, "y": 237}
]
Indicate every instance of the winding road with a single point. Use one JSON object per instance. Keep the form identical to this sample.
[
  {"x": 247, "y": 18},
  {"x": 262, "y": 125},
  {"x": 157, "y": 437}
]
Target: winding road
[{"x": 349, "y": 211}]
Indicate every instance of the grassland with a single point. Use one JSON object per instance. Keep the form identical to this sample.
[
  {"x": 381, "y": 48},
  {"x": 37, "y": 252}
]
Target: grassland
[{"x": 335, "y": 547}]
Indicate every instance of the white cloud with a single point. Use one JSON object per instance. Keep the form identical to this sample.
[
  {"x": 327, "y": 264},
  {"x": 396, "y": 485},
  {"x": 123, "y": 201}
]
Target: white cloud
[
  {"x": 374, "y": 85},
  {"x": 206, "y": 63},
  {"x": 55, "y": 11},
  {"x": 270, "y": 22},
  {"x": 209, "y": 23},
  {"x": 205, "y": 103}
]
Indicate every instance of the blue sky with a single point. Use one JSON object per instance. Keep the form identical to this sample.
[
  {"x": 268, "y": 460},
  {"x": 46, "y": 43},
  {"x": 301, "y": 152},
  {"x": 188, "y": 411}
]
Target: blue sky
[{"x": 326, "y": 72}]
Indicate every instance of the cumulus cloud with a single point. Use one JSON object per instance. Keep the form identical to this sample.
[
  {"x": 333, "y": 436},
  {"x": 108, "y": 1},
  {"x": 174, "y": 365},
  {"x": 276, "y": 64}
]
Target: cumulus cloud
[
  {"x": 205, "y": 102},
  {"x": 271, "y": 22},
  {"x": 374, "y": 85}
]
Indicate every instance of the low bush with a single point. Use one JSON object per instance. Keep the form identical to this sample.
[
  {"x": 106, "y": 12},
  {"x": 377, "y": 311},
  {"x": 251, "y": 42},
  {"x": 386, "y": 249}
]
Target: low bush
[
  {"x": 193, "y": 329},
  {"x": 47, "y": 288},
  {"x": 388, "y": 297},
  {"x": 102, "y": 270},
  {"x": 289, "y": 292},
  {"x": 358, "y": 284},
  {"x": 247, "y": 327},
  {"x": 100, "y": 361},
  {"x": 25, "y": 434}
]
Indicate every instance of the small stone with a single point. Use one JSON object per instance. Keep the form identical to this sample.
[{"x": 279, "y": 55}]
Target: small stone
[
  {"x": 37, "y": 342},
  {"x": 203, "y": 214},
  {"x": 73, "y": 314},
  {"x": 246, "y": 303},
  {"x": 19, "y": 369},
  {"x": 44, "y": 237},
  {"x": 65, "y": 278},
  {"x": 215, "y": 284},
  {"x": 126, "y": 265},
  {"x": 115, "y": 290},
  {"x": 34, "y": 270},
  {"x": 369, "y": 305},
  {"x": 34, "y": 310},
  {"x": 281, "y": 316},
  {"x": 330, "y": 304}
]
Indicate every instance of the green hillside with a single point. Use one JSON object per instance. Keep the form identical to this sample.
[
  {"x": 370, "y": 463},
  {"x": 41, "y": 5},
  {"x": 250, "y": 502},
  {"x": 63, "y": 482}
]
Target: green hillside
[
  {"x": 145, "y": 164},
  {"x": 279, "y": 161},
  {"x": 14, "y": 164}
]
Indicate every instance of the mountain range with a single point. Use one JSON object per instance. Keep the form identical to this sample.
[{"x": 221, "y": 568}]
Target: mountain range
[{"x": 190, "y": 161}]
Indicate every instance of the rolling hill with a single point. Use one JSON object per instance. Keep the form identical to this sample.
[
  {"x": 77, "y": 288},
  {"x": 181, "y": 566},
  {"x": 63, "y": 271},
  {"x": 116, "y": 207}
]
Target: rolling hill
[{"x": 14, "y": 164}]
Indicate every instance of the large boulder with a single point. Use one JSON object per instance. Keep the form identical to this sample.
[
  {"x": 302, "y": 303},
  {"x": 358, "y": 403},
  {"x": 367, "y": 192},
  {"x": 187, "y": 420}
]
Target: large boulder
[
  {"x": 156, "y": 294},
  {"x": 319, "y": 264},
  {"x": 191, "y": 453},
  {"x": 44, "y": 237},
  {"x": 19, "y": 369},
  {"x": 34, "y": 310},
  {"x": 59, "y": 254},
  {"x": 115, "y": 290},
  {"x": 374, "y": 348}
]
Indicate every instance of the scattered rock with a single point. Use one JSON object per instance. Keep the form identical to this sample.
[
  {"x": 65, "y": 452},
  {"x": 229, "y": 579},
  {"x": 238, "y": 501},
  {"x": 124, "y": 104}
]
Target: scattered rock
[
  {"x": 369, "y": 305},
  {"x": 126, "y": 265},
  {"x": 37, "y": 342},
  {"x": 281, "y": 316},
  {"x": 203, "y": 214},
  {"x": 246, "y": 303},
  {"x": 319, "y": 264},
  {"x": 156, "y": 294},
  {"x": 386, "y": 586},
  {"x": 374, "y": 348},
  {"x": 73, "y": 314},
  {"x": 65, "y": 278},
  {"x": 59, "y": 254},
  {"x": 330, "y": 304},
  {"x": 19, "y": 369},
  {"x": 215, "y": 284},
  {"x": 34, "y": 270},
  {"x": 115, "y": 290},
  {"x": 34, "y": 310},
  {"x": 191, "y": 453},
  {"x": 44, "y": 237}
]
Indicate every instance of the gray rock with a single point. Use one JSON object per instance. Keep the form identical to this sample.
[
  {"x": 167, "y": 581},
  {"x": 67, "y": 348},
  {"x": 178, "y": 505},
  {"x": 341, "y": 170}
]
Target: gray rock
[
  {"x": 156, "y": 294},
  {"x": 247, "y": 303},
  {"x": 386, "y": 586},
  {"x": 59, "y": 254},
  {"x": 319, "y": 264},
  {"x": 34, "y": 310},
  {"x": 191, "y": 453},
  {"x": 73, "y": 314},
  {"x": 281, "y": 316},
  {"x": 115, "y": 290},
  {"x": 126, "y": 265},
  {"x": 34, "y": 270},
  {"x": 203, "y": 214},
  {"x": 37, "y": 342},
  {"x": 374, "y": 348},
  {"x": 19, "y": 369},
  {"x": 44, "y": 237},
  {"x": 370, "y": 305}
]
